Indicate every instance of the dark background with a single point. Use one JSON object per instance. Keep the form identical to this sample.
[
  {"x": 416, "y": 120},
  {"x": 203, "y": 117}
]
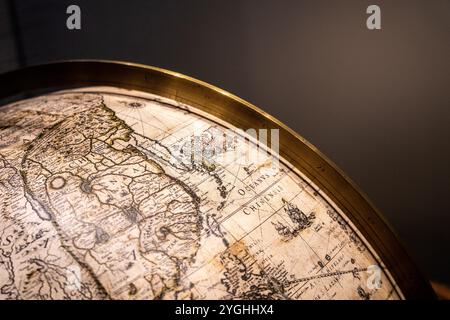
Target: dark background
[{"x": 376, "y": 102}]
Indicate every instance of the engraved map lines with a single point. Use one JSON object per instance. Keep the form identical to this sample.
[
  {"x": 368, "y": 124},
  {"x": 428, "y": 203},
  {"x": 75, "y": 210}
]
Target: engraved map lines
[
  {"x": 136, "y": 218},
  {"x": 260, "y": 224}
]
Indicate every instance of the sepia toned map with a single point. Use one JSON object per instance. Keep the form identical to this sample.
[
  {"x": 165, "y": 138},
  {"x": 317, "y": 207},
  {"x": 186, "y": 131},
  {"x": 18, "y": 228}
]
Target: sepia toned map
[{"x": 103, "y": 196}]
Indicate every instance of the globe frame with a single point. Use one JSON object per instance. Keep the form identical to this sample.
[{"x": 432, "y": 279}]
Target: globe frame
[{"x": 295, "y": 149}]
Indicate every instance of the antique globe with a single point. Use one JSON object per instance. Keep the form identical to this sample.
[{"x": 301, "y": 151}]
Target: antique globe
[{"x": 122, "y": 181}]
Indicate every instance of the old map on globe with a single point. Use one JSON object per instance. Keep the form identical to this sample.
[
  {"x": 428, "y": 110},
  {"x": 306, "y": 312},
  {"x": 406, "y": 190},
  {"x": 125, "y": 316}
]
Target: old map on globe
[{"x": 101, "y": 198}]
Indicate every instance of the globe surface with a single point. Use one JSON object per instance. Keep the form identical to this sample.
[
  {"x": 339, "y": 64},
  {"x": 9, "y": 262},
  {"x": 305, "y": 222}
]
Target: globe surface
[{"x": 102, "y": 198}]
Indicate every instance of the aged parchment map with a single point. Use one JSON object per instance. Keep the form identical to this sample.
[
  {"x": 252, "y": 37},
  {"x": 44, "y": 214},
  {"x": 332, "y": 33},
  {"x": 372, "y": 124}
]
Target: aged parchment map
[{"x": 100, "y": 198}]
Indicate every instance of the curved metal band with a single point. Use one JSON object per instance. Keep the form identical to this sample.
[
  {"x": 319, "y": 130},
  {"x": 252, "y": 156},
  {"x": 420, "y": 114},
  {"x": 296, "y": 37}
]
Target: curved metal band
[{"x": 244, "y": 115}]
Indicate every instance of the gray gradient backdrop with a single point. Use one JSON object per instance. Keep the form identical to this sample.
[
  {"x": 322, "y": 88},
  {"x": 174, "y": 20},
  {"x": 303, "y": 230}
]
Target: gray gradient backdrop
[{"x": 376, "y": 102}]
